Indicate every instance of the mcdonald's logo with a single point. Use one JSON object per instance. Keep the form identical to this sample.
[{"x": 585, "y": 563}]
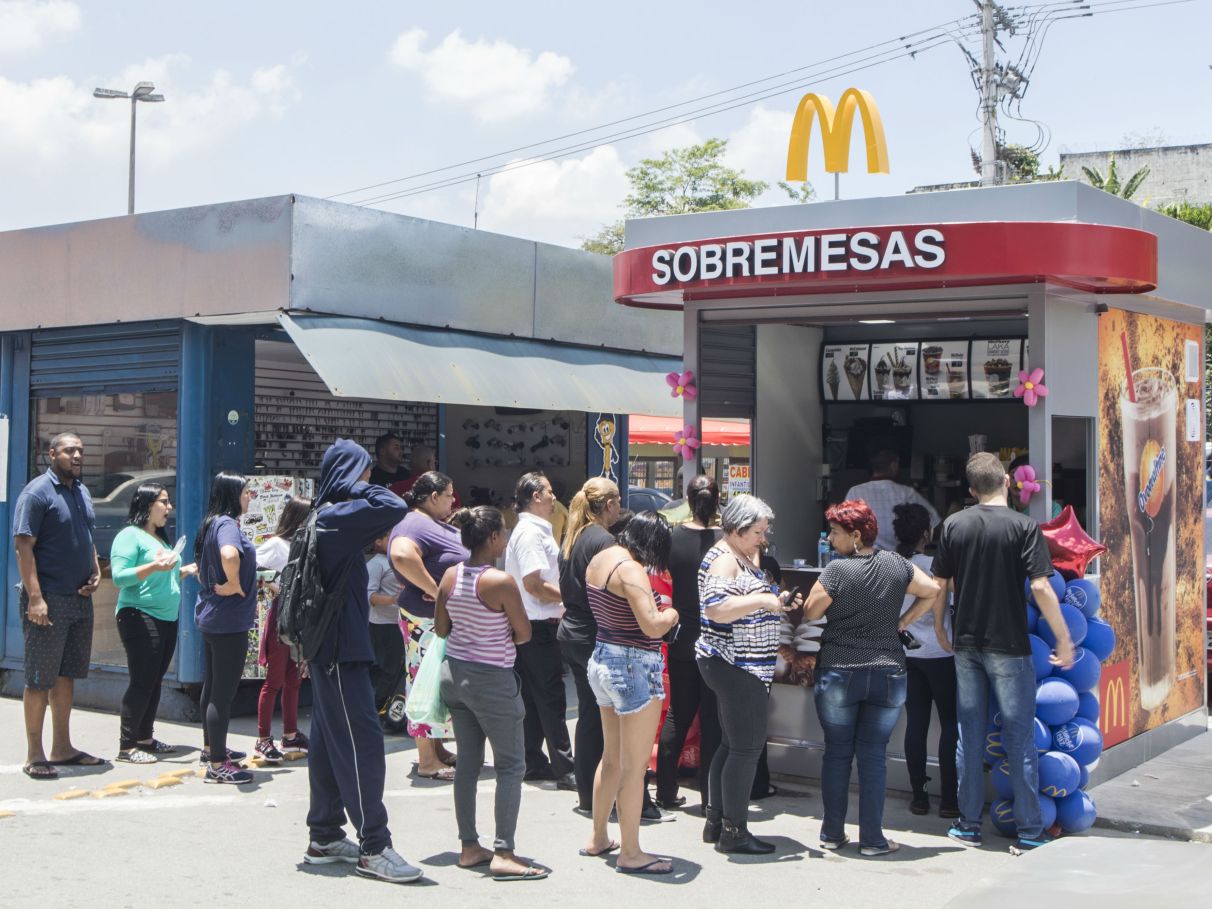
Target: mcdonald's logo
[
  {"x": 836, "y": 127},
  {"x": 1113, "y": 704}
]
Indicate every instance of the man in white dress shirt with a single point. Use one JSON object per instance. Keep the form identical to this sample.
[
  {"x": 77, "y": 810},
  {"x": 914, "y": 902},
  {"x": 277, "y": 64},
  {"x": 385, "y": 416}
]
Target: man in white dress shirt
[
  {"x": 532, "y": 559},
  {"x": 882, "y": 493}
]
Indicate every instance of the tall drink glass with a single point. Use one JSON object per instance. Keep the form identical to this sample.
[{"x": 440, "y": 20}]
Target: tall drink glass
[{"x": 1150, "y": 462}]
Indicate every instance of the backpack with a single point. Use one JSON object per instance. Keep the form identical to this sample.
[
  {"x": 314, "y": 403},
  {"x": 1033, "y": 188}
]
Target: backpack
[{"x": 306, "y": 609}]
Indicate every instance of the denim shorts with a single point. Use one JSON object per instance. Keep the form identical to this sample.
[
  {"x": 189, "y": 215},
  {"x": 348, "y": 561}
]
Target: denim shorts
[{"x": 626, "y": 678}]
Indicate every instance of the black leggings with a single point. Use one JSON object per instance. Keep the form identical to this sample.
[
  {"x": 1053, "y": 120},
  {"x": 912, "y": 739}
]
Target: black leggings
[
  {"x": 587, "y": 743},
  {"x": 743, "y": 701},
  {"x": 931, "y": 681},
  {"x": 150, "y": 644},
  {"x": 387, "y": 641},
  {"x": 687, "y": 696},
  {"x": 224, "y": 667}
]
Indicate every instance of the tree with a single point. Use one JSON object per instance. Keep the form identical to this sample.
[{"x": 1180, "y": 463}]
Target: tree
[
  {"x": 1198, "y": 215},
  {"x": 1110, "y": 183},
  {"x": 682, "y": 180},
  {"x": 802, "y": 193},
  {"x": 1022, "y": 164}
]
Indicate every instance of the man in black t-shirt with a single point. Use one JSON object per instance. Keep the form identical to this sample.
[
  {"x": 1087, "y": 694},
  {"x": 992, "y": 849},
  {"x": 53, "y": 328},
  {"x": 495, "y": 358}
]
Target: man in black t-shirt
[
  {"x": 987, "y": 552},
  {"x": 387, "y": 469}
]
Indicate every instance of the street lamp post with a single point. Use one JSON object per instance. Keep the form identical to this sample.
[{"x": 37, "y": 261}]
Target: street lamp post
[{"x": 144, "y": 91}]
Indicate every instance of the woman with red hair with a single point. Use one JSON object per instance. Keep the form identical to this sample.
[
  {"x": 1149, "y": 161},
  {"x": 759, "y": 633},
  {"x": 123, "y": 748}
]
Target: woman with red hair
[{"x": 861, "y": 679}]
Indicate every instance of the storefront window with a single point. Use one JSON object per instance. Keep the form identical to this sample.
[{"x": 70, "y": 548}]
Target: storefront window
[{"x": 129, "y": 438}]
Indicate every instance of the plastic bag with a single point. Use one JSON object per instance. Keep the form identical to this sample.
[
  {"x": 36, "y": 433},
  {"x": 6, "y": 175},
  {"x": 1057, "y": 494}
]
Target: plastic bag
[{"x": 425, "y": 706}]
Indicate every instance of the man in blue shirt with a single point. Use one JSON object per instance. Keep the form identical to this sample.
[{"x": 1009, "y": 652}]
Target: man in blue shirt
[{"x": 53, "y": 536}]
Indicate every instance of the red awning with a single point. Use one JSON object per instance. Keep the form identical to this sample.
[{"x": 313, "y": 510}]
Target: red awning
[{"x": 645, "y": 430}]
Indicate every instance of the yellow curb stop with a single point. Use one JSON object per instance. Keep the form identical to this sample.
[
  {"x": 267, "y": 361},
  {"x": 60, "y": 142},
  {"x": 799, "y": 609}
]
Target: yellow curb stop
[
  {"x": 161, "y": 782},
  {"x": 68, "y": 794},
  {"x": 108, "y": 793},
  {"x": 122, "y": 784}
]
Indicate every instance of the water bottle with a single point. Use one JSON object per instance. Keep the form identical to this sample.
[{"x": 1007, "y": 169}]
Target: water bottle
[{"x": 823, "y": 551}]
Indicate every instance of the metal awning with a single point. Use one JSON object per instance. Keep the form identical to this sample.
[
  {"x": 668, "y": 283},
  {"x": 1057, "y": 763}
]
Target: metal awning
[{"x": 366, "y": 358}]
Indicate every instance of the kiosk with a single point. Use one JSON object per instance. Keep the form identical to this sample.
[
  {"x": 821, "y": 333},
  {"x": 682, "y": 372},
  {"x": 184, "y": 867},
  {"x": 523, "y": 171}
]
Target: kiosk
[{"x": 841, "y": 329}]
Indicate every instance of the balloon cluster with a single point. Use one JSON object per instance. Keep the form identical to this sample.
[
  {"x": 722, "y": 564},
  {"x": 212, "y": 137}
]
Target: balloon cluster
[{"x": 1067, "y": 736}]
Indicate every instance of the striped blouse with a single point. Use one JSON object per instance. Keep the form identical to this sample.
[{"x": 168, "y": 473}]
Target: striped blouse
[
  {"x": 751, "y": 642},
  {"x": 615, "y": 618},
  {"x": 477, "y": 634}
]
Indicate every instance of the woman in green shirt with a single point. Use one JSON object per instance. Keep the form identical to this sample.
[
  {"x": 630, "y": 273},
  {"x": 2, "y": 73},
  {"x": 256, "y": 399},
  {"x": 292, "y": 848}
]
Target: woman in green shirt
[{"x": 147, "y": 573}]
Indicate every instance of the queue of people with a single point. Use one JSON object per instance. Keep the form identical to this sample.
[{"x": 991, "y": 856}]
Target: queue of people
[{"x": 592, "y": 603}]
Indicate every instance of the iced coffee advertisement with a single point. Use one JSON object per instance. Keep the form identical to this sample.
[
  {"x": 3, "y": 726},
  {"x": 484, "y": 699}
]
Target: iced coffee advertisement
[
  {"x": 995, "y": 366},
  {"x": 1152, "y": 523},
  {"x": 944, "y": 372},
  {"x": 893, "y": 375},
  {"x": 844, "y": 372}
]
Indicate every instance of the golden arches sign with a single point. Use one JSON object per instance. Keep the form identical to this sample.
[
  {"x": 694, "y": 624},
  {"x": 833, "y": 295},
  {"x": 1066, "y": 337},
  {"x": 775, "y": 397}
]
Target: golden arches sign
[{"x": 836, "y": 127}]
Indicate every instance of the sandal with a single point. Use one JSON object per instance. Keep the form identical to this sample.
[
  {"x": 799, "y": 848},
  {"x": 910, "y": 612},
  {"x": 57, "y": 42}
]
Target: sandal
[
  {"x": 445, "y": 775},
  {"x": 40, "y": 770},
  {"x": 835, "y": 845},
  {"x": 135, "y": 756},
  {"x": 81, "y": 759}
]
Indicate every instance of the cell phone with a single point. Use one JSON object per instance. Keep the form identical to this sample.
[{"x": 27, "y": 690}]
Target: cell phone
[
  {"x": 908, "y": 640},
  {"x": 795, "y": 592}
]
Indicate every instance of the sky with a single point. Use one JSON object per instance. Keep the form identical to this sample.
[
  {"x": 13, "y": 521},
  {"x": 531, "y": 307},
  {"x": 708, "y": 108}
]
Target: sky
[{"x": 322, "y": 99}]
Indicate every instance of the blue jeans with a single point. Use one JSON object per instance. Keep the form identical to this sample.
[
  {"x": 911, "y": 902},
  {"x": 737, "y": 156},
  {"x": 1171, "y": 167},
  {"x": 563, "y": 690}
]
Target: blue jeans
[
  {"x": 1012, "y": 681},
  {"x": 858, "y": 709}
]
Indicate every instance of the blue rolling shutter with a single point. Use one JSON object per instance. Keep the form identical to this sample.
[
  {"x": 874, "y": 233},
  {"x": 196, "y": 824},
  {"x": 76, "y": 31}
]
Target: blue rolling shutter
[{"x": 146, "y": 355}]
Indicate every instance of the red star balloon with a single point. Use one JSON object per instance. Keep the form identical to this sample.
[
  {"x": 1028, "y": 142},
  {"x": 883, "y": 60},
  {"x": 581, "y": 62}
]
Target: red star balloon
[{"x": 1071, "y": 547}]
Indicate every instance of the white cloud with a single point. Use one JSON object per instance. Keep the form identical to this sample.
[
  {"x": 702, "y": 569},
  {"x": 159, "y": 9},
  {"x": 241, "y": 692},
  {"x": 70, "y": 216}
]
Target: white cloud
[
  {"x": 26, "y": 25},
  {"x": 557, "y": 201},
  {"x": 759, "y": 146},
  {"x": 56, "y": 121},
  {"x": 497, "y": 80}
]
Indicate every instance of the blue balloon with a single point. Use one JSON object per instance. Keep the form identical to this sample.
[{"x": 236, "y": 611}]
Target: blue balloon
[
  {"x": 1032, "y": 618},
  {"x": 1059, "y": 774},
  {"x": 994, "y": 751},
  {"x": 1073, "y": 619},
  {"x": 1043, "y": 736},
  {"x": 1058, "y": 587},
  {"x": 1080, "y": 739},
  {"x": 1084, "y": 780},
  {"x": 1100, "y": 638},
  {"x": 999, "y": 776},
  {"x": 1040, "y": 652},
  {"x": 1055, "y": 701},
  {"x": 1002, "y": 814},
  {"x": 1084, "y": 673},
  {"x": 1047, "y": 810},
  {"x": 1076, "y": 812},
  {"x": 1084, "y": 595},
  {"x": 1087, "y": 706}
]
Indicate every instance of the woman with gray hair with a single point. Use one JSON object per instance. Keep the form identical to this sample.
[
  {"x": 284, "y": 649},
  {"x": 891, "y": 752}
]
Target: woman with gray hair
[{"x": 736, "y": 649}]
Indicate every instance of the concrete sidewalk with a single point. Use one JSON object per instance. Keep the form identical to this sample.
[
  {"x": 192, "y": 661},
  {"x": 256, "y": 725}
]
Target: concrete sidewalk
[{"x": 1170, "y": 795}]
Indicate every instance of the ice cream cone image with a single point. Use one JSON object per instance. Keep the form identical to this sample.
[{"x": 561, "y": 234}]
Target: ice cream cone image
[
  {"x": 832, "y": 379},
  {"x": 856, "y": 374}
]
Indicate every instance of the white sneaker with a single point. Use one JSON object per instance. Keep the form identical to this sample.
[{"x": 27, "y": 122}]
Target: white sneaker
[
  {"x": 345, "y": 850},
  {"x": 388, "y": 866}
]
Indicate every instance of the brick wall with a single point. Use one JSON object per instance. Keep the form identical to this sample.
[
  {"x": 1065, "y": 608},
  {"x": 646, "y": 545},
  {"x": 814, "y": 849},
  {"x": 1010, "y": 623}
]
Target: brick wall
[{"x": 1177, "y": 173}]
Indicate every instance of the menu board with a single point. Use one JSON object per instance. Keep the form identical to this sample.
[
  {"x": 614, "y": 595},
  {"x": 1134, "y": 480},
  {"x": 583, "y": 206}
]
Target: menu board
[
  {"x": 893, "y": 374},
  {"x": 944, "y": 373},
  {"x": 995, "y": 365},
  {"x": 844, "y": 370}
]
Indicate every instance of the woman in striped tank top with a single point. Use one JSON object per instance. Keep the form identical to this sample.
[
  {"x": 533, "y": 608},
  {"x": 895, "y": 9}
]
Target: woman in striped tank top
[
  {"x": 479, "y": 611},
  {"x": 625, "y": 675}
]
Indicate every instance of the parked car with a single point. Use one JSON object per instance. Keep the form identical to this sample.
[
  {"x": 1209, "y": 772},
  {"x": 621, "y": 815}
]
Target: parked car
[
  {"x": 641, "y": 498},
  {"x": 112, "y": 510}
]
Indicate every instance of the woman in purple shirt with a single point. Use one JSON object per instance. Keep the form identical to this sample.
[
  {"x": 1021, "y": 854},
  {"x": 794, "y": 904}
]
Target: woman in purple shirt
[{"x": 422, "y": 547}]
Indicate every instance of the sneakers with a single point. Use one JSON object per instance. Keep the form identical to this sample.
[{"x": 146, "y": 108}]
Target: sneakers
[
  {"x": 265, "y": 748},
  {"x": 886, "y": 849},
  {"x": 964, "y": 835},
  {"x": 654, "y": 814},
  {"x": 388, "y": 866},
  {"x": 296, "y": 742},
  {"x": 234, "y": 756},
  {"x": 1026, "y": 843},
  {"x": 136, "y": 756},
  {"x": 227, "y": 772},
  {"x": 345, "y": 850}
]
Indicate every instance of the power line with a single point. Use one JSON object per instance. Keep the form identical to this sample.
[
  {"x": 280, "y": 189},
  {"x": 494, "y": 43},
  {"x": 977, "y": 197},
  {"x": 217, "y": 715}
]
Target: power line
[
  {"x": 909, "y": 50},
  {"x": 902, "y": 41}
]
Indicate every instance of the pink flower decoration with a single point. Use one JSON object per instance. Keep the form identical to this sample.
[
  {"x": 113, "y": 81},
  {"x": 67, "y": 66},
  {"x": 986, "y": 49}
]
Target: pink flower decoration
[
  {"x": 682, "y": 385},
  {"x": 1025, "y": 482},
  {"x": 685, "y": 442},
  {"x": 1031, "y": 386}
]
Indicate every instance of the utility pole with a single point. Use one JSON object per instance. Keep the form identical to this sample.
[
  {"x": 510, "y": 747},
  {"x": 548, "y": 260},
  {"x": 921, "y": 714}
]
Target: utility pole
[{"x": 989, "y": 92}]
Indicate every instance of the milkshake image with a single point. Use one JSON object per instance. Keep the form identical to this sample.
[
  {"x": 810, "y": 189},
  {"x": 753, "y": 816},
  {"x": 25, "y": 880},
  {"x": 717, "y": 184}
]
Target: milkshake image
[
  {"x": 957, "y": 380},
  {"x": 901, "y": 375},
  {"x": 997, "y": 374},
  {"x": 882, "y": 371},
  {"x": 832, "y": 379},
  {"x": 1148, "y": 409}
]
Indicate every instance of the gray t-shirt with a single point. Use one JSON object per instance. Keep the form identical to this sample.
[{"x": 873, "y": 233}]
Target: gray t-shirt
[
  {"x": 860, "y": 628},
  {"x": 382, "y": 580}
]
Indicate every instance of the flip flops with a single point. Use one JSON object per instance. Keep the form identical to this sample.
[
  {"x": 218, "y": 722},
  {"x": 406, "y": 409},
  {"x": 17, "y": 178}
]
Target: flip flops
[
  {"x": 610, "y": 848},
  {"x": 445, "y": 775},
  {"x": 80, "y": 759},
  {"x": 40, "y": 770},
  {"x": 533, "y": 873},
  {"x": 649, "y": 868}
]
